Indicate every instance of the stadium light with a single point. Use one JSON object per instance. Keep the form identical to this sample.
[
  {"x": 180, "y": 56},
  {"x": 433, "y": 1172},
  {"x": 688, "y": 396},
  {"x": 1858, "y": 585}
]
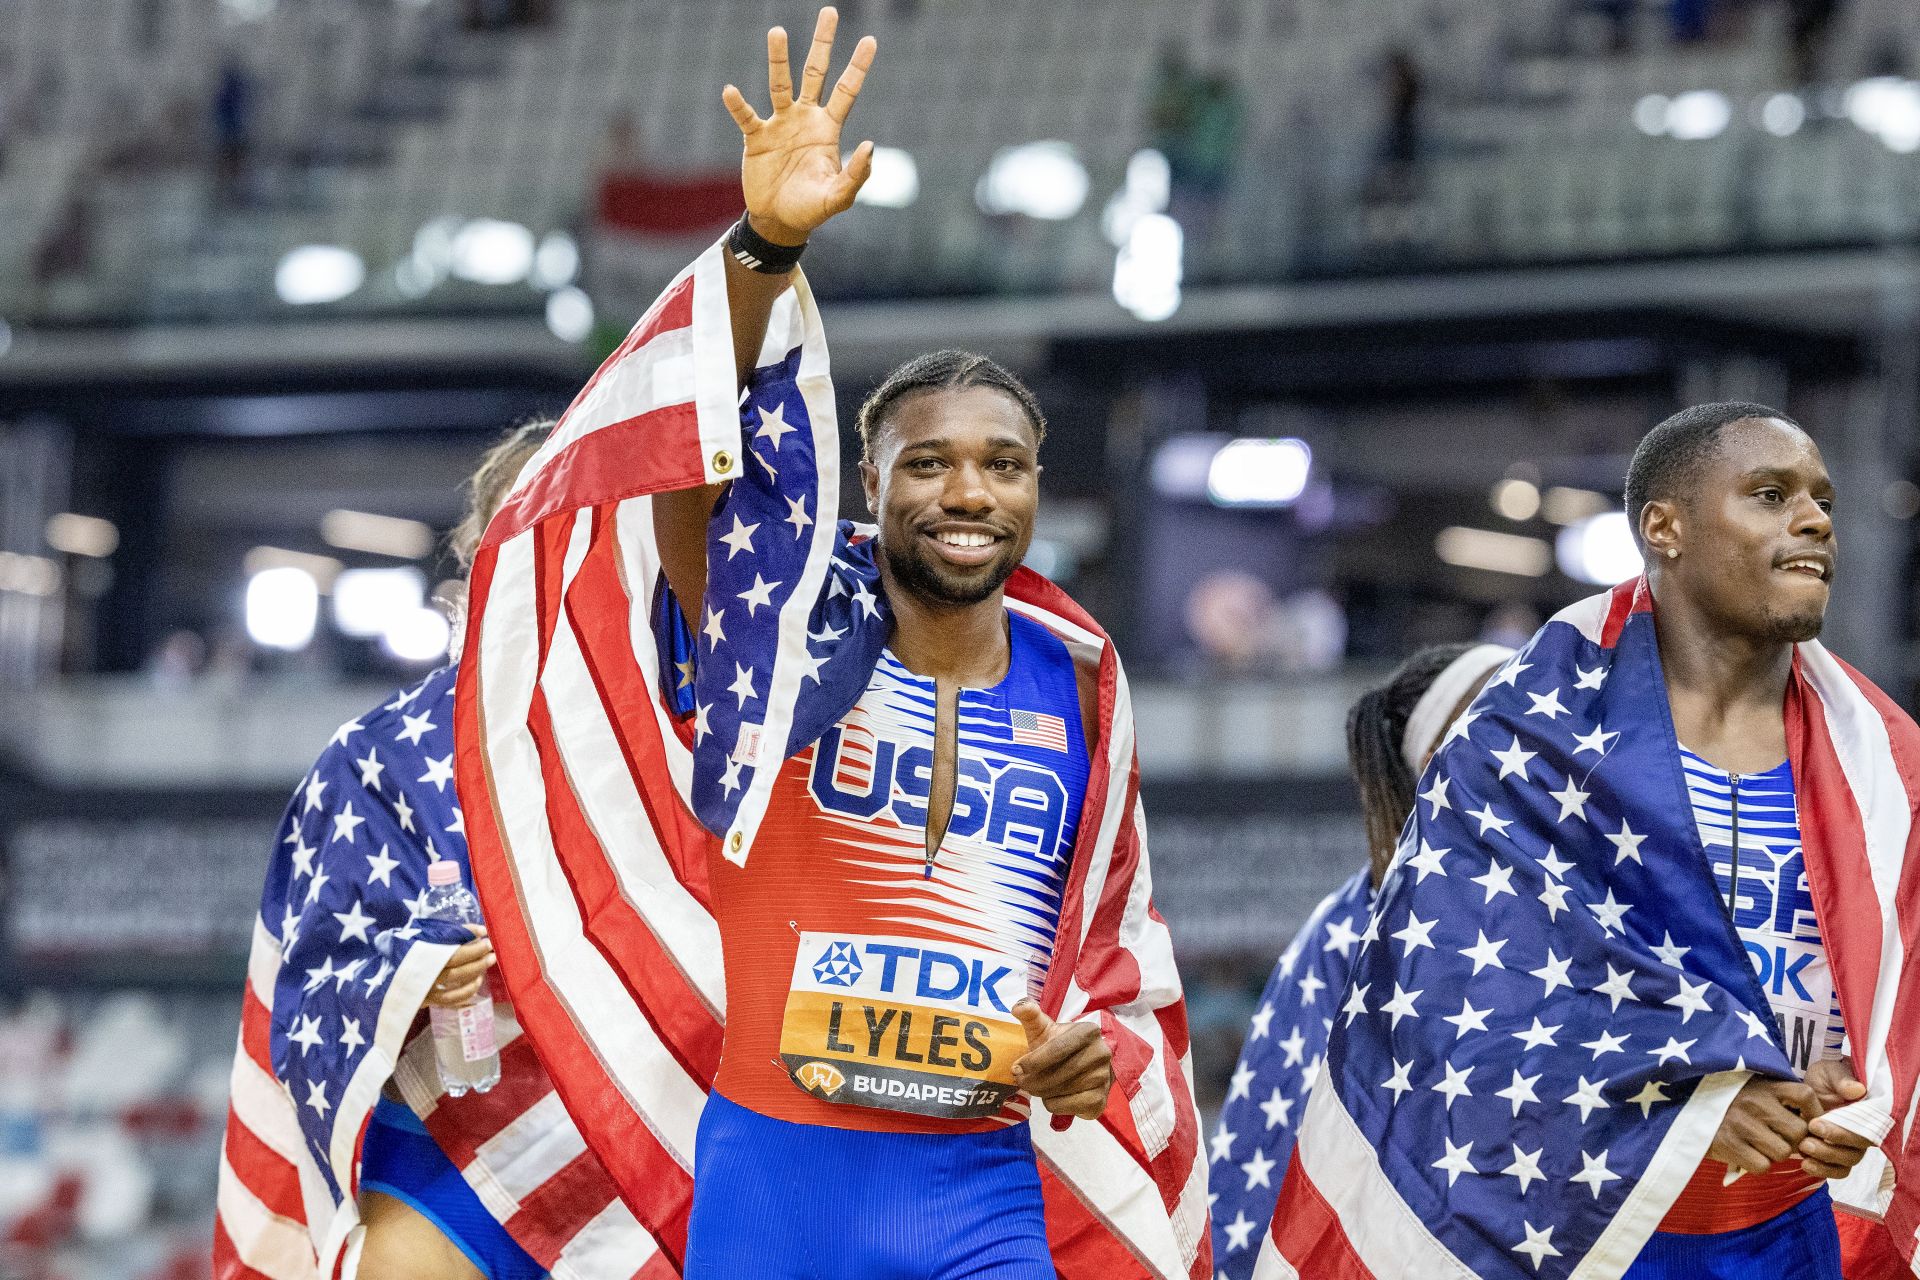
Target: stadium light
[
  {"x": 1494, "y": 552},
  {"x": 79, "y": 535},
  {"x": 317, "y": 273},
  {"x": 570, "y": 314},
  {"x": 366, "y": 602},
  {"x": 1148, "y": 187},
  {"x": 556, "y": 262},
  {"x": 322, "y": 569},
  {"x": 1888, "y": 107},
  {"x": 894, "y": 182},
  {"x": 1782, "y": 114},
  {"x": 1562, "y": 504},
  {"x": 419, "y": 635},
  {"x": 28, "y": 575},
  {"x": 282, "y": 606},
  {"x": 394, "y": 536},
  {"x": 1516, "y": 499},
  {"x": 1599, "y": 549},
  {"x": 1259, "y": 473},
  {"x": 1650, "y": 114},
  {"x": 1699, "y": 114},
  {"x": 492, "y": 251},
  {"x": 1148, "y": 270},
  {"x": 1039, "y": 179}
]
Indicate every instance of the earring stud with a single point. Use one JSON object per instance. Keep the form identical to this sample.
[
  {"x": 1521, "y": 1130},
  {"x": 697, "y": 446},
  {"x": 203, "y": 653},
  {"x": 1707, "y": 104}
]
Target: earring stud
[{"x": 1673, "y": 553}]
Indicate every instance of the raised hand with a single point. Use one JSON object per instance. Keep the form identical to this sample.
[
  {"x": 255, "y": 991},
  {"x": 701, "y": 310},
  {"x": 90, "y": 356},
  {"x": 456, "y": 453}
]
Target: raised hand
[
  {"x": 460, "y": 979},
  {"x": 790, "y": 171}
]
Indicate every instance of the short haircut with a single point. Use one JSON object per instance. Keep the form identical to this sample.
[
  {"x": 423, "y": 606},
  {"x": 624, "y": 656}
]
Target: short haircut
[
  {"x": 499, "y": 467},
  {"x": 1670, "y": 456},
  {"x": 942, "y": 371}
]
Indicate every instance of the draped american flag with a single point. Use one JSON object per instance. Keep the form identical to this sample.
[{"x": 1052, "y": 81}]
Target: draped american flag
[
  {"x": 341, "y": 962},
  {"x": 593, "y": 729},
  {"x": 1550, "y": 1011},
  {"x": 1285, "y": 1046}
]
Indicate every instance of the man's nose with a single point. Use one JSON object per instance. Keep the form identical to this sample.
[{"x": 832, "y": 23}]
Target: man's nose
[
  {"x": 1811, "y": 520},
  {"x": 967, "y": 490}
]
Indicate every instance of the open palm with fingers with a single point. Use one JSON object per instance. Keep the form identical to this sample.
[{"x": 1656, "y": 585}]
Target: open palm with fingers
[{"x": 791, "y": 172}]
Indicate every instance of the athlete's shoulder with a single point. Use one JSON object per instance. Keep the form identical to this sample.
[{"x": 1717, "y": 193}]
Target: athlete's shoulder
[{"x": 414, "y": 722}]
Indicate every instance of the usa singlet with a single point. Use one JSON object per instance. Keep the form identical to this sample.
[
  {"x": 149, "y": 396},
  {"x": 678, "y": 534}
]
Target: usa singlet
[
  {"x": 864, "y": 1122},
  {"x": 1751, "y": 833}
]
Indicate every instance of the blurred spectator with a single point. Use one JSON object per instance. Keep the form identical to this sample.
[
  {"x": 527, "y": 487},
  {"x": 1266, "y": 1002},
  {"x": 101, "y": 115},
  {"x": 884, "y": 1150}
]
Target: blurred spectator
[
  {"x": 1396, "y": 173},
  {"x": 66, "y": 248},
  {"x": 1809, "y": 24},
  {"x": 1196, "y": 122},
  {"x": 233, "y": 118},
  {"x": 178, "y": 662}
]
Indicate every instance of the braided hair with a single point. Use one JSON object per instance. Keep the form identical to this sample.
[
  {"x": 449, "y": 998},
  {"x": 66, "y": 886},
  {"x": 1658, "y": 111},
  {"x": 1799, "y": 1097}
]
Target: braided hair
[
  {"x": 1376, "y": 727},
  {"x": 944, "y": 370}
]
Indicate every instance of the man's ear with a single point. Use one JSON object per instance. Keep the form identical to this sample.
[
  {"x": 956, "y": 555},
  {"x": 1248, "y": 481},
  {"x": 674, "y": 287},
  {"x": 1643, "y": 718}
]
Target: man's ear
[
  {"x": 1660, "y": 527},
  {"x": 870, "y": 485}
]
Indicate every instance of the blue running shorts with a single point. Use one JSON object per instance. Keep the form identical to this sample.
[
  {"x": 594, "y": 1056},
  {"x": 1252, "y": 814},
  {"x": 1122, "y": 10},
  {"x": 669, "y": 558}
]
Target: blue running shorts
[
  {"x": 1800, "y": 1244},
  {"x": 783, "y": 1201},
  {"x": 401, "y": 1159}
]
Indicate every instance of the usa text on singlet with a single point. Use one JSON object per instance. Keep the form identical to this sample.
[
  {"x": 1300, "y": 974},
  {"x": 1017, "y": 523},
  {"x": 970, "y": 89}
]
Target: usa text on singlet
[{"x": 863, "y": 992}]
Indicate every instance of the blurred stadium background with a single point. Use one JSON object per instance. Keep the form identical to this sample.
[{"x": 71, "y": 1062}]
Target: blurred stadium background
[{"x": 1347, "y": 315}]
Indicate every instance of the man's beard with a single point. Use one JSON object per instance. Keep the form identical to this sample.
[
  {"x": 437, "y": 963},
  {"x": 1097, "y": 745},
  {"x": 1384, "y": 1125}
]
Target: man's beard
[
  {"x": 917, "y": 573},
  {"x": 1795, "y": 628}
]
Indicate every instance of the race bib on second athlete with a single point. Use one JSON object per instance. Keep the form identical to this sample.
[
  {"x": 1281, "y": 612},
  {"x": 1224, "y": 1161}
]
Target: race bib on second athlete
[{"x": 903, "y": 1024}]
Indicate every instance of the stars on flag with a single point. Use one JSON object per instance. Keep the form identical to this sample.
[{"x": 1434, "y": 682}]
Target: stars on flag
[
  {"x": 414, "y": 728},
  {"x": 1586, "y": 1096},
  {"x": 774, "y": 426},
  {"x": 1436, "y": 795},
  {"x": 797, "y": 516},
  {"x": 346, "y": 823},
  {"x": 1547, "y": 705},
  {"x": 439, "y": 772},
  {"x": 1457, "y": 1160},
  {"x": 740, "y": 539},
  {"x": 759, "y": 594},
  {"x": 713, "y": 630}
]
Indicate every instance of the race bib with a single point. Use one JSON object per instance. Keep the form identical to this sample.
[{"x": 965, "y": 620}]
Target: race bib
[{"x": 902, "y": 1024}]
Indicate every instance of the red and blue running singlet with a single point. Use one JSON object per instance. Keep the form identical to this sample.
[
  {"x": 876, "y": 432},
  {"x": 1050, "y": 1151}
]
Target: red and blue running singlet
[{"x": 864, "y": 992}]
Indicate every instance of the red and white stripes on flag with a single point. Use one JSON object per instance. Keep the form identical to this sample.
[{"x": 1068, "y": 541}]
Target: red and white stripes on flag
[
  {"x": 276, "y": 1218},
  {"x": 575, "y": 775}
]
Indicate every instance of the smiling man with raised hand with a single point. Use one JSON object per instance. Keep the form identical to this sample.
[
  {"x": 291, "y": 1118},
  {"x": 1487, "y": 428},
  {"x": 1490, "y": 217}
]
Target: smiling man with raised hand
[
  {"x": 1665, "y": 866},
  {"x": 886, "y": 774}
]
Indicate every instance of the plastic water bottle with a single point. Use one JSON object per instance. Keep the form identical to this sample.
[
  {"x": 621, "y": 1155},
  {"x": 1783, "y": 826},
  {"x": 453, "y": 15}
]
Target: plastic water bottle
[{"x": 463, "y": 1043}]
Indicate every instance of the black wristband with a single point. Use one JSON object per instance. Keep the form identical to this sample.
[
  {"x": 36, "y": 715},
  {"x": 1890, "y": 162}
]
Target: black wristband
[{"x": 757, "y": 253}]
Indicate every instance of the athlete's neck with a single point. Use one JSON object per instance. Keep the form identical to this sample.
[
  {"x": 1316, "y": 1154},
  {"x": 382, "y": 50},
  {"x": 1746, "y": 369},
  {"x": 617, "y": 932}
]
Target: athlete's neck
[
  {"x": 1727, "y": 691},
  {"x": 966, "y": 643}
]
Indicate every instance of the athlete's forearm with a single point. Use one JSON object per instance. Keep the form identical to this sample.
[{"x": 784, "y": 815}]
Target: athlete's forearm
[{"x": 750, "y": 299}]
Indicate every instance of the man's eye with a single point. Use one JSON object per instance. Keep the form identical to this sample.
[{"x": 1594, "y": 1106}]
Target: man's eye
[
  {"x": 1825, "y": 504},
  {"x": 1769, "y": 495},
  {"x": 1007, "y": 464}
]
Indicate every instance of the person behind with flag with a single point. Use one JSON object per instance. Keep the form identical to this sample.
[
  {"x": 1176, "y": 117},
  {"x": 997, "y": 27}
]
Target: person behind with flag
[
  {"x": 1636, "y": 993},
  {"x": 487, "y": 1186},
  {"x": 1392, "y": 730},
  {"x": 829, "y": 834}
]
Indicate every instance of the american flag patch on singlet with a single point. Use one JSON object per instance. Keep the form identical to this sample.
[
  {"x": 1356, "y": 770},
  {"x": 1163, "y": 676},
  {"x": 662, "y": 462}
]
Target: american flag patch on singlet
[{"x": 1038, "y": 729}]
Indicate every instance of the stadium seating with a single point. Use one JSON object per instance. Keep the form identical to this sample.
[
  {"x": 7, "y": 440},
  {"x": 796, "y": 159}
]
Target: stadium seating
[{"x": 378, "y": 116}]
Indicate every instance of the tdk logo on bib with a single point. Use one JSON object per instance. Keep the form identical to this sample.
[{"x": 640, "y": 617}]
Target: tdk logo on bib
[
  {"x": 910, "y": 971},
  {"x": 1011, "y": 805}
]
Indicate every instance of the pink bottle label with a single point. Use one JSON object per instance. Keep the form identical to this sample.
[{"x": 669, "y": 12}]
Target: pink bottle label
[{"x": 475, "y": 1026}]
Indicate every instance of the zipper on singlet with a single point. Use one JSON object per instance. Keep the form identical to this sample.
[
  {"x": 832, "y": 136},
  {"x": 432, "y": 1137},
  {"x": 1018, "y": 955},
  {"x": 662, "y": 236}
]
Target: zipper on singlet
[{"x": 1733, "y": 886}]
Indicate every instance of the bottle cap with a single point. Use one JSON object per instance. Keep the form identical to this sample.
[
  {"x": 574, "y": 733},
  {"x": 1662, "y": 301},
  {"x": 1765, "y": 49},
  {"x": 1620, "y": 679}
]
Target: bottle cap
[{"x": 445, "y": 871}]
